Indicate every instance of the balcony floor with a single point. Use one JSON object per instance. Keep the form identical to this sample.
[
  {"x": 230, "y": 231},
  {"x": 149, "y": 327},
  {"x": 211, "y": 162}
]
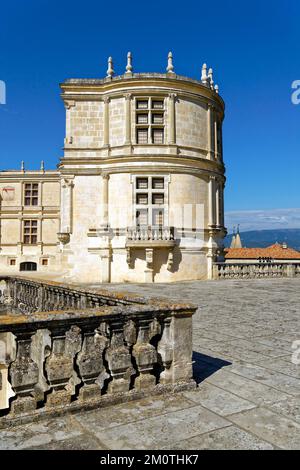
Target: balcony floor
[{"x": 248, "y": 394}]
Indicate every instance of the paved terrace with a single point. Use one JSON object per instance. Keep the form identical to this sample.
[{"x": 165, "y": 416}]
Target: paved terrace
[{"x": 248, "y": 394}]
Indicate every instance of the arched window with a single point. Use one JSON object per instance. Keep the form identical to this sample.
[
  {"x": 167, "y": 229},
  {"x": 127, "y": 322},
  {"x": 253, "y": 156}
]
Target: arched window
[{"x": 28, "y": 266}]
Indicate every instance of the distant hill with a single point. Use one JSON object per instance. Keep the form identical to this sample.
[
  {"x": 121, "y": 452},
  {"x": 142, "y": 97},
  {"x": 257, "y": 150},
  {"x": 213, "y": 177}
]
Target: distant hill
[{"x": 263, "y": 238}]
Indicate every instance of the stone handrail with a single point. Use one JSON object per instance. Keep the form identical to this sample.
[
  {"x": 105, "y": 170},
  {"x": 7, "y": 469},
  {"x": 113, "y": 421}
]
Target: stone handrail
[
  {"x": 150, "y": 233},
  {"x": 85, "y": 358},
  {"x": 27, "y": 295},
  {"x": 255, "y": 270}
]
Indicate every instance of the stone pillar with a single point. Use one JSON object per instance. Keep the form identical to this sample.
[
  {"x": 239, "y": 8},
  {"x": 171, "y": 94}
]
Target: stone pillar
[
  {"x": 222, "y": 204},
  {"x": 66, "y": 205},
  {"x": 211, "y": 201},
  {"x": 217, "y": 203},
  {"x": 149, "y": 268},
  {"x": 172, "y": 124},
  {"x": 106, "y": 122},
  {"x": 68, "y": 105},
  {"x": 104, "y": 200},
  {"x": 128, "y": 118},
  {"x": 181, "y": 337},
  {"x": 209, "y": 132},
  {"x": 105, "y": 252},
  {"x": 216, "y": 136}
]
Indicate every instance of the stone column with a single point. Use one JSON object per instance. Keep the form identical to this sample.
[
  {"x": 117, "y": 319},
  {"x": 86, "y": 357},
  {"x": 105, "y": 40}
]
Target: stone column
[
  {"x": 209, "y": 132},
  {"x": 128, "y": 118},
  {"x": 172, "y": 124},
  {"x": 104, "y": 215},
  {"x": 222, "y": 203},
  {"x": 216, "y": 136},
  {"x": 66, "y": 205},
  {"x": 217, "y": 203},
  {"x": 211, "y": 201},
  {"x": 105, "y": 250},
  {"x": 106, "y": 122},
  {"x": 149, "y": 268},
  {"x": 68, "y": 105}
]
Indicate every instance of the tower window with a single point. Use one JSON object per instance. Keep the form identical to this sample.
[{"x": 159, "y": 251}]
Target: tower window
[
  {"x": 150, "y": 121},
  {"x": 30, "y": 232},
  {"x": 150, "y": 196},
  {"x": 31, "y": 194}
]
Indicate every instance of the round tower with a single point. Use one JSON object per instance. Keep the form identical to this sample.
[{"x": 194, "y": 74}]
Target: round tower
[{"x": 142, "y": 176}]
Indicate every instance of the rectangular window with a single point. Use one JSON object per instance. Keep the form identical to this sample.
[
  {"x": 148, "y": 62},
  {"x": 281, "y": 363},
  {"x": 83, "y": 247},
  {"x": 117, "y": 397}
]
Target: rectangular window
[
  {"x": 142, "y": 198},
  {"x": 142, "y": 104},
  {"x": 12, "y": 262},
  {"x": 150, "y": 198},
  {"x": 150, "y": 121},
  {"x": 157, "y": 183},
  {"x": 142, "y": 118},
  {"x": 44, "y": 262},
  {"x": 142, "y": 136},
  {"x": 157, "y": 136},
  {"x": 30, "y": 232},
  {"x": 142, "y": 183},
  {"x": 157, "y": 198},
  {"x": 157, "y": 104},
  {"x": 31, "y": 194}
]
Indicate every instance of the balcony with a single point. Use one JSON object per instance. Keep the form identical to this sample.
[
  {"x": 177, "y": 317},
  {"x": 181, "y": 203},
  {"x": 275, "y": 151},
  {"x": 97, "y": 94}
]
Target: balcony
[{"x": 150, "y": 237}]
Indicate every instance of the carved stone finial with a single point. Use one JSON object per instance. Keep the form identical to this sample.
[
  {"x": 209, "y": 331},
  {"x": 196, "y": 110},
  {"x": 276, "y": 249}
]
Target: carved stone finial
[
  {"x": 210, "y": 78},
  {"x": 42, "y": 165},
  {"x": 22, "y": 165},
  {"x": 129, "y": 64},
  {"x": 170, "y": 67},
  {"x": 204, "y": 74},
  {"x": 110, "y": 70},
  {"x": 217, "y": 89}
]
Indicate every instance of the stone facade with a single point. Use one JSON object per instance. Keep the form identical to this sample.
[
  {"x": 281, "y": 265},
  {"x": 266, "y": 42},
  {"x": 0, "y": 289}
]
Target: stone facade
[{"x": 138, "y": 194}]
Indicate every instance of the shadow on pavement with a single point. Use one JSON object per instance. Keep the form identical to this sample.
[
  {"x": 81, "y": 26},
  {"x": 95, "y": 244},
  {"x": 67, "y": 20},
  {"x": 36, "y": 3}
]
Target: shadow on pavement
[{"x": 204, "y": 366}]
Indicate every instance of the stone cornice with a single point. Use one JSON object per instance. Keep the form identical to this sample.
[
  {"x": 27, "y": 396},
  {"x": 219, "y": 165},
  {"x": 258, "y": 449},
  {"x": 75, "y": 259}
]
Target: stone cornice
[{"x": 146, "y": 83}]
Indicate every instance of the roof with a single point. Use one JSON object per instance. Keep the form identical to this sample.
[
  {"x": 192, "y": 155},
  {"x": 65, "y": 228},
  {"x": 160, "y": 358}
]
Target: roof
[{"x": 275, "y": 251}]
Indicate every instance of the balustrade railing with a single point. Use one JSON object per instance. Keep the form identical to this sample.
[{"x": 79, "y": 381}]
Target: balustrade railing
[
  {"x": 150, "y": 233},
  {"x": 81, "y": 358},
  {"x": 254, "y": 270}
]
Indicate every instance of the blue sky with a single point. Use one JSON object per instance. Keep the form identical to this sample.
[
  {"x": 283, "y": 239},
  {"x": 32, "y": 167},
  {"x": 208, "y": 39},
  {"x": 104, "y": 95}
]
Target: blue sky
[{"x": 253, "y": 48}]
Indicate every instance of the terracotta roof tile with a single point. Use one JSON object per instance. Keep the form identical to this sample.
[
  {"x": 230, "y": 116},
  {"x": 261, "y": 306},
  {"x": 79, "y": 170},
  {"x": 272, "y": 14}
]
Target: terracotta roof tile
[{"x": 275, "y": 251}]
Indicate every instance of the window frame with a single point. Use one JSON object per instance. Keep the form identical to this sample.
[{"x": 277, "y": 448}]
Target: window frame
[
  {"x": 151, "y": 111},
  {"x": 150, "y": 207},
  {"x": 31, "y": 187},
  {"x": 32, "y": 231}
]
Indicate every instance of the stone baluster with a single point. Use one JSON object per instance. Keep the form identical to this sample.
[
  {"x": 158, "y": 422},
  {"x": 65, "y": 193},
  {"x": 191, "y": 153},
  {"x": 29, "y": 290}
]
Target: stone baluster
[
  {"x": 60, "y": 364},
  {"x": 165, "y": 351},
  {"x": 119, "y": 360},
  {"x": 90, "y": 362},
  {"x": 145, "y": 355},
  {"x": 24, "y": 375}
]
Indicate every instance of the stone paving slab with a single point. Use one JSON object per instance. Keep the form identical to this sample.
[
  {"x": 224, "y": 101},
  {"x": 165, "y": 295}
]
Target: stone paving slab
[
  {"x": 229, "y": 438},
  {"x": 248, "y": 394}
]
